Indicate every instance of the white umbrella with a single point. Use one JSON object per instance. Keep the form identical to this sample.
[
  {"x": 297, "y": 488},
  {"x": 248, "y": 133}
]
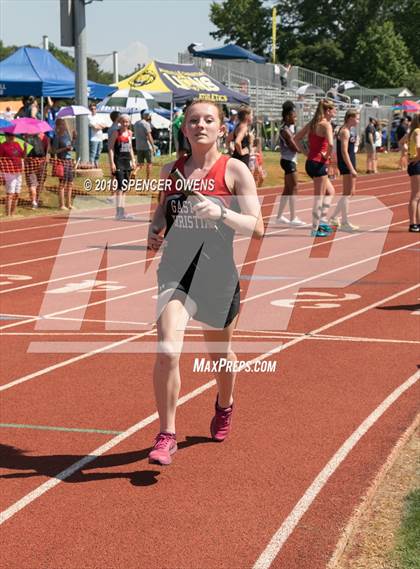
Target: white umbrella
[
  {"x": 128, "y": 101},
  {"x": 345, "y": 85},
  {"x": 72, "y": 111},
  {"x": 308, "y": 89}
]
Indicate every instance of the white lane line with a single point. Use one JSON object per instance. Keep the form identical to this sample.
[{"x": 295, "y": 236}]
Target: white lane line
[
  {"x": 141, "y": 240},
  {"x": 71, "y": 220},
  {"x": 72, "y": 360},
  {"x": 142, "y": 291},
  {"x": 140, "y": 223},
  {"x": 257, "y": 335},
  {"x": 285, "y": 530},
  {"x": 61, "y": 237},
  {"x": 236, "y": 240},
  {"x": 325, "y": 273},
  {"x": 303, "y": 187},
  {"x": 49, "y": 484}
]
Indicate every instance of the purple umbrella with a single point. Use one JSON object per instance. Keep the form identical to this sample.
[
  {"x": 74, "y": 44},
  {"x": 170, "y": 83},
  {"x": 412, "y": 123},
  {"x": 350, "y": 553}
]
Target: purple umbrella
[
  {"x": 72, "y": 111},
  {"x": 26, "y": 126}
]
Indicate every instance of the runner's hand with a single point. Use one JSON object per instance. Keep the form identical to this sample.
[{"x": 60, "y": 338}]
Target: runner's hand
[
  {"x": 206, "y": 209},
  {"x": 154, "y": 239}
]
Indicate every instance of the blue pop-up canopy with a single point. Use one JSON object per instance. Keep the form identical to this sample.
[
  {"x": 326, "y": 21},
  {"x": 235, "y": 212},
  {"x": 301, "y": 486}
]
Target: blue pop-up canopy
[
  {"x": 35, "y": 71},
  {"x": 229, "y": 51}
]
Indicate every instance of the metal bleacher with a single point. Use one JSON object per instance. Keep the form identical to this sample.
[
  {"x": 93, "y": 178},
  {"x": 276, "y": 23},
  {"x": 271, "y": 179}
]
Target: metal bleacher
[{"x": 269, "y": 85}]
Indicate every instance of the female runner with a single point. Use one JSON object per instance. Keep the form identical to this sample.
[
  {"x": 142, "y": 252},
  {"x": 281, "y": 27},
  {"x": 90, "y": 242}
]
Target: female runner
[
  {"x": 197, "y": 275},
  {"x": 320, "y": 139},
  {"x": 288, "y": 151},
  {"x": 413, "y": 171},
  {"x": 346, "y": 161}
]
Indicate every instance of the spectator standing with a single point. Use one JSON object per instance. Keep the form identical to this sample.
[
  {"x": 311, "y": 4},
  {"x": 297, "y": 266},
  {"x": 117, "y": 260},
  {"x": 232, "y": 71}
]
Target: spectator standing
[
  {"x": 11, "y": 162},
  {"x": 96, "y": 136},
  {"x": 8, "y": 114},
  {"x": 144, "y": 141},
  {"x": 36, "y": 166},
  {"x": 51, "y": 114},
  {"x": 370, "y": 144},
  {"x": 115, "y": 117},
  {"x": 176, "y": 129},
  {"x": 232, "y": 121},
  {"x": 62, "y": 146},
  {"x": 375, "y": 102}
]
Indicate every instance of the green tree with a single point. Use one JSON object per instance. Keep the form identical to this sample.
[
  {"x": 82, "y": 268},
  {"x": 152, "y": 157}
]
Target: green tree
[
  {"x": 245, "y": 22},
  {"x": 381, "y": 57},
  {"x": 317, "y": 55}
]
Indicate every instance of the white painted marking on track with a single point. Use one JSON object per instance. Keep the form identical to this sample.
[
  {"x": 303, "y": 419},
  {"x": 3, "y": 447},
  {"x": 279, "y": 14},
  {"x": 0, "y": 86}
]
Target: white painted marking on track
[
  {"x": 88, "y": 249},
  {"x": 12, "y": 325},
  {"x": 95, "y": 285},
  {"x": 37, "y": 492},
  {"x": 114, "y": 267},
  {"x": 323, "y": 301},
  {"x": 285, "y": 530}
]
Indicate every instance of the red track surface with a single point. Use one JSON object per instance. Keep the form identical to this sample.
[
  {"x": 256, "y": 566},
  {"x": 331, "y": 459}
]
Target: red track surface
[{"x": 217, "y": 505}]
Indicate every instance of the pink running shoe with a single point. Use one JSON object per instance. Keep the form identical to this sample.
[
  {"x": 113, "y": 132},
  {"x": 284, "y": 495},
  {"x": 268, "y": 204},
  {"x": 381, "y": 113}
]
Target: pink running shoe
[
  {"x": 221, "y": 422},
  {"x": 165, "y": 445}
]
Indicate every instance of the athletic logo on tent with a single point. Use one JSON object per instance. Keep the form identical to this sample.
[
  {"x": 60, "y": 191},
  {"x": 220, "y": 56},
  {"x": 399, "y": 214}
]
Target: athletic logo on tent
[{"x": 145, "y": 77}]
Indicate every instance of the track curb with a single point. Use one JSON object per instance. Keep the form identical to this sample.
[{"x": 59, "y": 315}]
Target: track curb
[{"x": 364, "y": 507}]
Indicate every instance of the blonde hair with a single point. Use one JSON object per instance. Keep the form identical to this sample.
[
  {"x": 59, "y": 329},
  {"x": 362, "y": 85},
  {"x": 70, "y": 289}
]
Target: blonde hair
[
  {"x": 350, "y": 114},
  {"x": 323, "y": 106}
]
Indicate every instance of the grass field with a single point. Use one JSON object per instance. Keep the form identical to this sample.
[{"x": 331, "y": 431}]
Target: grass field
[{"x": 386, "y": 162}]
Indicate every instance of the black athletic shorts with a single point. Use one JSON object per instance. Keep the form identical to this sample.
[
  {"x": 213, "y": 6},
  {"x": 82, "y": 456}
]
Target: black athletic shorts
[
  {"x": 217, "y": 303},
  {"x": 316, "y": 169},
  {"x": 242, "y": 157},
  {"x": 289, "y": 166},
  {"x": 414, "y": 168}
]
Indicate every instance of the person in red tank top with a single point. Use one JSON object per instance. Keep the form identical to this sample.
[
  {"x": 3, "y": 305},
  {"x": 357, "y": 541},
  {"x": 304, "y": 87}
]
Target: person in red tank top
[
  {"x": 319, "y": 133},
  {"x": 179, "y": 220}
]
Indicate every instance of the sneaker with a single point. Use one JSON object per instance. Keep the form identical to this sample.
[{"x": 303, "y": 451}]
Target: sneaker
[
  {"x": 221, "y": 422},
  {"x": 349, "y": 227},
  {"x": 296, "y": 222},
  {"x": 325, "y": 227},
  {"x": 63, "y": 207},
  {"x": 165, "y": 446},
  {"x": 283, "y": 220},
  {"x": 34, "y": 205},
  {"x": 414, "y": 228},
  {"x": 319, "y": 233},
  {"x": 334, "y": 222}
]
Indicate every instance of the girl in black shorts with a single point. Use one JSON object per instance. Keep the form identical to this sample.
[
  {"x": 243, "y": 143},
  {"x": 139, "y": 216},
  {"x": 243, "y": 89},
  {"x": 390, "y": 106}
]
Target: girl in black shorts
[
  {"x": 413, "y": 170},
  {"x": 122, "y": 162},
  {"x": 288, "y": 162},
  {"x": 241, "y": 135},
  {"x": 197, "y": 276},
  {"x": 346, "y": 162}
]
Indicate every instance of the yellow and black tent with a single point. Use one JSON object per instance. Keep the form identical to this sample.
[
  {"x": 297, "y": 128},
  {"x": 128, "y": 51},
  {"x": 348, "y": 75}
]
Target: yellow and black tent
[{"x": 182, "y": 82}]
